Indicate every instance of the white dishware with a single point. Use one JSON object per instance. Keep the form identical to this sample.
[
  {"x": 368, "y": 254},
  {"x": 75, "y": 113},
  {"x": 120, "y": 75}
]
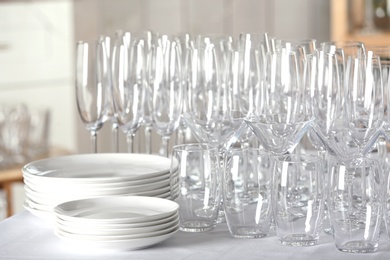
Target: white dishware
[
  {"x": 116, "y": 223},
  {"x": 126, "y": 209}
]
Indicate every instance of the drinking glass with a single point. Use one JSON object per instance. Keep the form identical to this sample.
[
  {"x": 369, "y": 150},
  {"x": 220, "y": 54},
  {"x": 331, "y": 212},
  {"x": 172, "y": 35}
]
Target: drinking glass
[
  {"x": 281, "y": 123},
  {"x": 210, "y": 118},
  {"x": 384, "y": 54},
  {"x": 355, "y": 204},
  {"x": 299, "y": 197},
  {"x": 92, "y": 78},
  {"x": 129, "y": 81},
  {"x": 199, "y": 185},
  {"x": 329, "y": 130},
  {"x": 364, "y": 101},
  {"x": 247, "y": 189},
  {"x": 166, "y": 79}
]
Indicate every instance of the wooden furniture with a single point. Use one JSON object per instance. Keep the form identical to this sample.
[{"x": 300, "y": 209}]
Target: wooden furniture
[
  {"x": 340, "y": 18},
  {"x": 13, "y": 175}
]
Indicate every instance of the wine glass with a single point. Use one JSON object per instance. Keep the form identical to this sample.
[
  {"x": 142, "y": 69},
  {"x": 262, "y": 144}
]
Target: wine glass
[
  {"x": 109, "y": 103},
  {"x": 149, "y": 37},
  {"x": 329, "y": 131},
  {"x": 383, "y": 51},
  {"x": 280, "y": 124},
  {"x": 364, "y": 101},
  {"x": 92, "y": 78},
  {"x": 129, "y": 81},
  {"x": 166, "y": 79}
]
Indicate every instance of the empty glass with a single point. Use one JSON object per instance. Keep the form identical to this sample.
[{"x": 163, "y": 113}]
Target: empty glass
[
  {"x": 247, "y": 189},
  {"x": 92, "y": 78},
  {"x": 199, "y": 185},
  {"x": 166, "y": 81},
  {"x": 299, "y": 199},
  {"x": 355, "y": 204}
]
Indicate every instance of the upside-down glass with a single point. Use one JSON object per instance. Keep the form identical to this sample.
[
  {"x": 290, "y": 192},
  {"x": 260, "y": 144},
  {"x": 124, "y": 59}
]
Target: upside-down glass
[
  {"x": 199, "y": 185},
  {"x": 355, "y": 204},
  {"x": 247, "y": 190},
  {"x": 299, "y": 198},
  {"x": 92, "y": 78}
]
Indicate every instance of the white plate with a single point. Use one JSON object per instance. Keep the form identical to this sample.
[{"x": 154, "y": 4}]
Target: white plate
[
  {"x": 101, "y": 167},
  {"x": 57, "y": 198},
  {"x": 65, "y": 190},
  {"x": 46, "y": 203},
  {"x": 118, "y": 245},
  {"x": 107, "y": 237},
  {"x": 76, "y": 225},
  {"x": 32, "y": 180},
  {"x": 128, "y": 209},
  {"x": 46, "y": 215}
]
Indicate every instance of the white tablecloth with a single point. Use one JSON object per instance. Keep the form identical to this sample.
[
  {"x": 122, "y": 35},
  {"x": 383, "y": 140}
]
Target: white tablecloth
[{"x": 25, "y": 236}]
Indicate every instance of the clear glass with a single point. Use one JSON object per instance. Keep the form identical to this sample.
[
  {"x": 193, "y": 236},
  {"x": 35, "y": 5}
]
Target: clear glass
[
  {"x": 92, "y": 78},
  {"x": 199, "y": 185},
  {"x": 247, "y": 190},
  {"x": 355, "y": 204},
  {"x": 364, "y": 101},
  {"x": 280, "y": 123},
  {"x": 299, "y": 198},
  {"x": 166, "y": 79},
  {"x": 129, "y": 79}
]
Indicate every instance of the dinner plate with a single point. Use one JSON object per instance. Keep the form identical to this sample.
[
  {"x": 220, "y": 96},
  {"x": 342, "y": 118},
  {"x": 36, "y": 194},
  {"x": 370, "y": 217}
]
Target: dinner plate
[
  {"x": 127, "y": 209},
  {"x": 108, "y": 237},
  {"x": 65, "y": 190},
  {"x": 32, "y": 180},
  {"x": 77, "y": 225},
  {"x": 46, "y": 201},
  {"x": 42, "y": 214},
  {"x": 103, "y": 231},
  {"x": 118, "y": 245},
  {"x": 101, "y": 167}
]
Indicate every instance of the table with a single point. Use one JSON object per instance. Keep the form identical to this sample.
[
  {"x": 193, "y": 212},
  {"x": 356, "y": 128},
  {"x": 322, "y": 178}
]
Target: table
[
  {"x": 13, "y": 174},
  {"x": 25, "y": 236}
]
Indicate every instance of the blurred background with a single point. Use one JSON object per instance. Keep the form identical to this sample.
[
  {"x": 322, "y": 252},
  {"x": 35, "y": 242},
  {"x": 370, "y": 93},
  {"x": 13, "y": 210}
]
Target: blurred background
[{"x": 38, "y": 37}]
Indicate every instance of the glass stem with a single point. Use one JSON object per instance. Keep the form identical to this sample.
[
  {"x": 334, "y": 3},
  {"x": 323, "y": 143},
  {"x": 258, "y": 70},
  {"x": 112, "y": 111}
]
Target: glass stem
[
  {"x": 115, "y": 137},
  {"x": 164, "y": 146},
  {"x": 130, "y": 138},
  {"x": 148, "y": 141},
  {"x": 94, "y": 141}
]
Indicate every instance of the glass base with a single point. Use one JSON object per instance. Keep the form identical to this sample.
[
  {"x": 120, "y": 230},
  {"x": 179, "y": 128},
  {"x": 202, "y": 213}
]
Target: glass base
[
  {"x": 298, "y": 240},
  {"x": 247, "y": 232},
  {"x": 221, "y": 216},
  {"x": 196, "y": 226},
  {"x": 358, "y": 247}
]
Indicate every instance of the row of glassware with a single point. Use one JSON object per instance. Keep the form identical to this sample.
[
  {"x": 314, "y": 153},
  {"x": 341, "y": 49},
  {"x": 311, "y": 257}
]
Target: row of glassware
[
  {"x": 301, "y": 196},
  {"x": 229, "y": 89},
  {"x": 24, "y": 133}
]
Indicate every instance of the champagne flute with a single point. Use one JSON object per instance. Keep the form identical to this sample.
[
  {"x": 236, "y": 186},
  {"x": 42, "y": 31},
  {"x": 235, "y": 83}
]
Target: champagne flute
[
  {"x": 92, "y": 77},
  {"x": 166, "y": 79},
  {"x": 128, "y": 90},
  {"x": 364, "y": 101}
]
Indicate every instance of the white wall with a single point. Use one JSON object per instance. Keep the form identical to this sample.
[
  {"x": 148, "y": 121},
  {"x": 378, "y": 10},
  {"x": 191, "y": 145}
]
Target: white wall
[{"x": 36, "y": 57}]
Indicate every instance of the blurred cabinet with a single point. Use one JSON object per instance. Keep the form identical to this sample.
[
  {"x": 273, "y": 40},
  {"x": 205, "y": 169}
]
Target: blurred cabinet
[{"x": 349, "y": 22}]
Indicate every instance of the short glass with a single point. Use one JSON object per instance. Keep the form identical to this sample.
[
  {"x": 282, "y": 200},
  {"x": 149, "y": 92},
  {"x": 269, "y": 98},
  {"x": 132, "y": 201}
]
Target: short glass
[
  {"x": 299, "y": 197},
  {"x": 197, "y": 179},
  {"x": 355, "y": 204},
  {"x": 247, "y": 190}
]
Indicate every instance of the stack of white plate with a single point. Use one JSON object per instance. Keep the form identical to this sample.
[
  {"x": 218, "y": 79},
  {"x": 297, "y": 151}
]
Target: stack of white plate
[
  {"x": 118, "y": 223},
  {"x": 52, "y": 181}
]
